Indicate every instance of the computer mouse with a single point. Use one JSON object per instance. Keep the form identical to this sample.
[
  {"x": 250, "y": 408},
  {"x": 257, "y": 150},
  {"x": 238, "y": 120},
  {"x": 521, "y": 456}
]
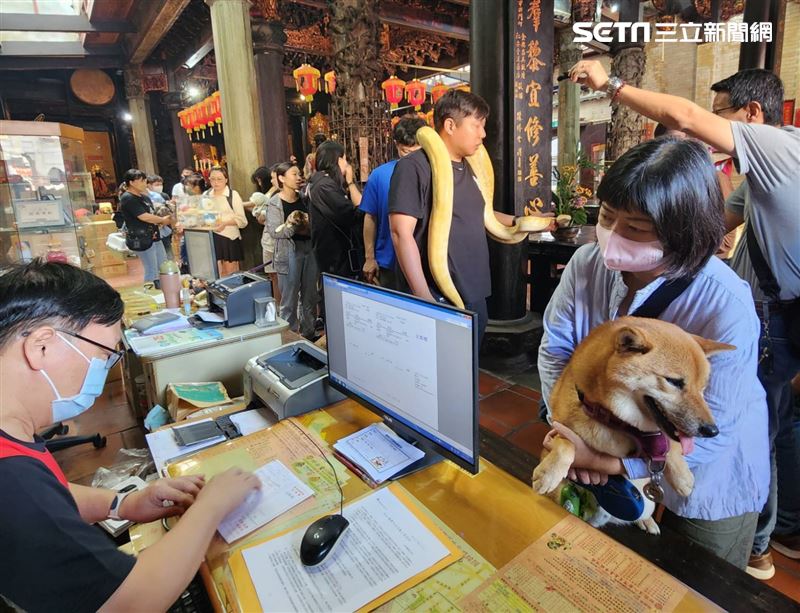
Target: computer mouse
[{"x": 321, "y": 536}]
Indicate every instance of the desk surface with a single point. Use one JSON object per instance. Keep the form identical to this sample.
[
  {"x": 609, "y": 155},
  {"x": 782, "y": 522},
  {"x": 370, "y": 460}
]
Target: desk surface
[{"x": 498, "y": 514}]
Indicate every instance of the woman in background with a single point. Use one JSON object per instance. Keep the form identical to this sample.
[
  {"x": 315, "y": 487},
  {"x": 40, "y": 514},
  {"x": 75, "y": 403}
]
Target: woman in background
[
  {"x": 227, "y": 238},
  {"x": 266, "y": 185}
]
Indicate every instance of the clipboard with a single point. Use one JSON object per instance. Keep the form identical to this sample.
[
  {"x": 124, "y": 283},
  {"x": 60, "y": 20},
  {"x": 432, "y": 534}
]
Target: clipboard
[{"x": 246, "y": 591}]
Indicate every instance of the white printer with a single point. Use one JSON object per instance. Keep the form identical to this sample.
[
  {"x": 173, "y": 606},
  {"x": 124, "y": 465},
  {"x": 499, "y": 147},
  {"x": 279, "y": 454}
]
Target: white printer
[{"x": 290, "y": 380}]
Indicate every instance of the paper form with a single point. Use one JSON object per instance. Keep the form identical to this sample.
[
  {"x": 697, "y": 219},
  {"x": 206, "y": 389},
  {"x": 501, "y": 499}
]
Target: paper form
[
  {"x": 574, "y": 567},
  {"x": 280, "y": 491},
  {"x": 378, "y": 451},
  {"x": 163, "y": 447},
  {"x": 252, "y": 421},
  {"x": 385, "y": 545}
]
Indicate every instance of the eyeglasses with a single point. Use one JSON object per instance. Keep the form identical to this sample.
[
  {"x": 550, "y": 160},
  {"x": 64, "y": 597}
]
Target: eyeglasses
[
  {"x": 115, "y": 355},
  {"x": 725, "y": 108}
]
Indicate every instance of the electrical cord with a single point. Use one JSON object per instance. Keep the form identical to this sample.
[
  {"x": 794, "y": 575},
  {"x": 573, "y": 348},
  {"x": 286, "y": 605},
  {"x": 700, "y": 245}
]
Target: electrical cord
[{"x": 325, "y": 457}]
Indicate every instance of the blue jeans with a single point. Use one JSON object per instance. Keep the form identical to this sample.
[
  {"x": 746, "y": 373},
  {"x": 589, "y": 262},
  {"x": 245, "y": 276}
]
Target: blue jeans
[
  {"x": 152, "y": 259},
  {"x": 781, "y": 512},
  {"x": 300, "y": 283}
]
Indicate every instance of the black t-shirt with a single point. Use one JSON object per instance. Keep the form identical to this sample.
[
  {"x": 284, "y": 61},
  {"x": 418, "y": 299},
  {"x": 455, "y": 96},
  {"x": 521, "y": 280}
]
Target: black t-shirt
[
  {"x": 410, "y": 193},
  {"x": 131, "y": 207},
  {"x": 333, "y": 225},
  {"x": 291, "y": 207},
  {"x": 51, "y": 560}
]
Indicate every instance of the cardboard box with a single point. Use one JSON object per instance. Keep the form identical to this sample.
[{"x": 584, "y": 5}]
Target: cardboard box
[{"x": 183, "y": 399}]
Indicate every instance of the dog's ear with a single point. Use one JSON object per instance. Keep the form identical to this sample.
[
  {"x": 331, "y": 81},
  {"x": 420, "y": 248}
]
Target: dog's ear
[
  {"x": 631, "y": 340},
  {"x": 710, "y": 347}
]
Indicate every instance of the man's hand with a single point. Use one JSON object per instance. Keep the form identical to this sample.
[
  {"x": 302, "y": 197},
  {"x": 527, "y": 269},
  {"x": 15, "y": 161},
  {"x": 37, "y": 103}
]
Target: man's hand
[
  {"x": 370, "y": 270},
  {"x": 148, "y": 504},
  {"x": 590, "y": 73},
  {"x": 589, "y": 466},
  {"x": 348, "y": 174},
  {"x": 166, "y": 220},
  {"x": 227, "y": 490}
]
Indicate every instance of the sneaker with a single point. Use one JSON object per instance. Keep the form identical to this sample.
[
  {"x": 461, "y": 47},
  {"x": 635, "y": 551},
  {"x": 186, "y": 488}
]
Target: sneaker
[
  {"x": 761, "y": 566},
  {"x": 787, "y": 544}
]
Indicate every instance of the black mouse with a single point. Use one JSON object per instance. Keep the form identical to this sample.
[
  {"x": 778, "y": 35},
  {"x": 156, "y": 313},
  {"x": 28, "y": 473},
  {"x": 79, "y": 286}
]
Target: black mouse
[{"x": 321, "y": 536}]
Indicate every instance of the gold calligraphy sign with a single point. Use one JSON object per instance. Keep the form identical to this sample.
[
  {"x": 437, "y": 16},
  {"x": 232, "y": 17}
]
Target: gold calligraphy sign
[
  {"x": 533, "y": 170},
  {"x": 535, "y": 13},
  {"x": 533, "y": 89},
  {"x": 532, "y": 130},
  {"x": 534, "y": 51}
]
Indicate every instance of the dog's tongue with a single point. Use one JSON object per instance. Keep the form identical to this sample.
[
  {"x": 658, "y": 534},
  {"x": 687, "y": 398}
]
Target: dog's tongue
[{"x": 687, "y": 443}]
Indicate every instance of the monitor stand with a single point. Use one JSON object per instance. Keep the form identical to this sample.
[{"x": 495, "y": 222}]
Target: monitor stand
[{"x": 410, "y": 436}]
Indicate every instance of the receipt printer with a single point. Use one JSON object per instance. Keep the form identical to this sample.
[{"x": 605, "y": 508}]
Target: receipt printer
[
  {"x": 290, "y": 380},
  {"x": 234, "y": 296}
]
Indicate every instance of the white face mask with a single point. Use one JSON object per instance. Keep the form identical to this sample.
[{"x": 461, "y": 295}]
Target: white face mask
[{"x": 625, "y": 255}]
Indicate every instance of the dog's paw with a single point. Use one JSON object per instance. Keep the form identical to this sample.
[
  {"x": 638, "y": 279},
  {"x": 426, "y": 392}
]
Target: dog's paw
[
  {"x": 649, "y": 525},
  {"x": 545, "y": 481},
  {"x": 682, "y": 482}
]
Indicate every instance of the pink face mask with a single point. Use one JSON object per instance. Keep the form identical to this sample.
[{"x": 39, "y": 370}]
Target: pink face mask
[{"x": 625, "y": 255}]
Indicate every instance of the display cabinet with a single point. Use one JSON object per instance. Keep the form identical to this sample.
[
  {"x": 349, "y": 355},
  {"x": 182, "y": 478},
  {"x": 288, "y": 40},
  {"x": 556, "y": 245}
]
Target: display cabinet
[{"x": 46, "y": 199}]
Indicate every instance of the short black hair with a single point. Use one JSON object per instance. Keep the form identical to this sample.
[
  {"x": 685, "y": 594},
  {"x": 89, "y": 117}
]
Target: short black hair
[
  {"x": 261, "y": 177},
  {"x": 673, "y": 181},
  {"x": 458, "y": 104},
  {"x": 755, "y": 85},
  {"x": 319, "y": 138},
  {"x": 196, "y": 180},
  {"x": 133, "y": 174},
  {"x": 154, "y": 179},
  {"x": 405, "y": 132},
  {"x": 327, "y": 160},
  {"x": 40, "y": 292}
]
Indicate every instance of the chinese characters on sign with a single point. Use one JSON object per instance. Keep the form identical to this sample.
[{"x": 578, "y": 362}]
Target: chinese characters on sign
[{"x": 533, "y": 102}]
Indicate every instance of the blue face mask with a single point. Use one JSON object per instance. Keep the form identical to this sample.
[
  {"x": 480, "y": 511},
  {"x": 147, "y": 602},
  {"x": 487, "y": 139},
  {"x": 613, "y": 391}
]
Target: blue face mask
[{"x": 93, "y": 383}]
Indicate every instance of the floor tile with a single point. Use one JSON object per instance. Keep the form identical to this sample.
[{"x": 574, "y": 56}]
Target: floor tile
[
  {"x": 508, "y": 408},
  {"x": 493, "y": 425},
  {"x": 786, "y": 563},
  {"x": 786, "y": 582},
  {"x": 488, "y": 384},
  {"x": 527, "y": 392},
  {"x": 530, "y": 437}
]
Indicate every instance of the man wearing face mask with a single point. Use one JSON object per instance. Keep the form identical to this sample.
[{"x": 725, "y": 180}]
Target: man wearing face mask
[{"x": 59, "y": 326}]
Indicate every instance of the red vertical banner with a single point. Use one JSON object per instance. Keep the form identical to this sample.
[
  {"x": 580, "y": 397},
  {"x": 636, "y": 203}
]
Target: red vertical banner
[
  {"x": 532, "y": 75},
  {"x": 788, "y": 112}
]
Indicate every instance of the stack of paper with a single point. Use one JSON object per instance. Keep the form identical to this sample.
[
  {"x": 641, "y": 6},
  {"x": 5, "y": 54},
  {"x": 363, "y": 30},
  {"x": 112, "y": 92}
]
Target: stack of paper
[
  {"x": 163, "y": 447},
  {"x": 377, "y": 452},
  {"x": 280, "y": 491}
]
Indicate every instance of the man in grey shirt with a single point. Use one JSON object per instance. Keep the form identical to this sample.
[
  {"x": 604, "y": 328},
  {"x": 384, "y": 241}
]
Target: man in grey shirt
[{"x": 746, "y": 123}]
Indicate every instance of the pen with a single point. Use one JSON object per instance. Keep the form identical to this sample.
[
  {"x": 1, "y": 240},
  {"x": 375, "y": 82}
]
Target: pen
[{"x": 127, "y": 488}]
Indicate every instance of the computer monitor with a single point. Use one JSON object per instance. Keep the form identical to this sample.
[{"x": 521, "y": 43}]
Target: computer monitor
[
  {"x": 411, "y": 361},
  {"x": 202, "y": 255}
]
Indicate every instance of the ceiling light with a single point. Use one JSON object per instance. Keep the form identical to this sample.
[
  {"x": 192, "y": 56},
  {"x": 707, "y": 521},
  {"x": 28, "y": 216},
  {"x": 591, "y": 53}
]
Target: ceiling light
[
  {"x": 302, "y": 97},
  {"x": 193, "y": 91}
]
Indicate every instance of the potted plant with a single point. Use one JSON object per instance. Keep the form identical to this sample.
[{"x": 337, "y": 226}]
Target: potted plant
[{"x": 570, "y": 199}]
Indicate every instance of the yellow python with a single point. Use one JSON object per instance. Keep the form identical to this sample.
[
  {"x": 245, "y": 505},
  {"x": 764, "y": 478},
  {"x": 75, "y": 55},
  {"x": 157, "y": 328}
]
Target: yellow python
[{"x": 442, "y": 211}]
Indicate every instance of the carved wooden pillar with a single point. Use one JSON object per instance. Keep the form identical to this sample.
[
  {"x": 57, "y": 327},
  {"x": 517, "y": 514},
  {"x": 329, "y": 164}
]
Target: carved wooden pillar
[
  {"x": 268, "y": 41},
  {"x": 141, "y": 122},
  {"x": 569, "y": 103}
]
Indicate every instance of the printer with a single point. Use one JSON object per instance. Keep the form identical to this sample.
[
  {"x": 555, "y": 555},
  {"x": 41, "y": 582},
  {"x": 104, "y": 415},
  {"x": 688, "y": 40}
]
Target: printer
[
  {"x": 234, "y": 296},
  {"x": 290, "y": 380}
]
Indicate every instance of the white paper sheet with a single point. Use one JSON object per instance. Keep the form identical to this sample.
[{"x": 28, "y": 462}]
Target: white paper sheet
[
  {"x": 378, "y": 451},
  {"x": 280, "y": 491},
  {"x": 163, "y": 447},
  {"x": 211, "y": 317},
  {"x": 384, "y": 546},
  {"x": 252, "y": 421}
]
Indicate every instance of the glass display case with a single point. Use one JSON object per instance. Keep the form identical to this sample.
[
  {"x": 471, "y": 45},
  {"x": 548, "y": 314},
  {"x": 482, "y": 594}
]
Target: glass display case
[{"x": 46, "y": 198}]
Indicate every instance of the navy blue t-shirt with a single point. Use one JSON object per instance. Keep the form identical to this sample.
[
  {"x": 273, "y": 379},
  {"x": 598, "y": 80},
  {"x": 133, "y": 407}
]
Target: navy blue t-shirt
[{"x": 52, "y": 560}]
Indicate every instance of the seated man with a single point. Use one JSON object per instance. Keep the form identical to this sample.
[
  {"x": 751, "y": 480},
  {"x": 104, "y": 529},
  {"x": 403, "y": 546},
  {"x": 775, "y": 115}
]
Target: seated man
[{"x": 59, "y": 326}]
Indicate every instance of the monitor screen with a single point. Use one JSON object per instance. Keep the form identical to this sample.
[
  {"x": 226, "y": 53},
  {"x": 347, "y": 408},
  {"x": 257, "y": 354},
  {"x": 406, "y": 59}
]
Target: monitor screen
[
  {"x": 410, "y": 360},
  {"x": 202, "y": 255}
]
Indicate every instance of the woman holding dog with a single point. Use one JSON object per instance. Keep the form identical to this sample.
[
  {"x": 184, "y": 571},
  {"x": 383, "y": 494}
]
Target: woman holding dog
[
  {"x": 662, "y": 219},
  {"x": 287, "y": 223}
]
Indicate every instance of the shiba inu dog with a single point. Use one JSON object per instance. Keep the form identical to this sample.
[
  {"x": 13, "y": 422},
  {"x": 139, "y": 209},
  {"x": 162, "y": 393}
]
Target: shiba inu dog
[{"x": 633, "y": 386}]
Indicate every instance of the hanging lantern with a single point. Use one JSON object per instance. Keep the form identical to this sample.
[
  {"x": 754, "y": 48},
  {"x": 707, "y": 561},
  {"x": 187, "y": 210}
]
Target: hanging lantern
[
  {"x": 183, "y": 116},
  {"x": 209, "y": 114},
  {"x": 306, "y": 79},
  {"x": 438, "y": 90},
  {"x": 330, "y": 82},
  {"x": 393, "y": 90},
  {"x": 216, "y": 107},
  {"x": 202, "y": 116},
  {"x": 415, "y": 93},
  {"x": 429, "y": 118}
]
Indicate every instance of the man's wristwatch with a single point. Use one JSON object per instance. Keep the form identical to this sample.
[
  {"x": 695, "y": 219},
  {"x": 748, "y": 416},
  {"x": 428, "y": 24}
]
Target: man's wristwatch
[
  {"x": 614, "y": 85},
  {"x": 113, "y": 512}
]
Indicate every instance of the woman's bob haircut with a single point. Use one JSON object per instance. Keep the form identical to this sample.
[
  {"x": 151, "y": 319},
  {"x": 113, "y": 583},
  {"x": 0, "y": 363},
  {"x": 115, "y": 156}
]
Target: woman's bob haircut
[{"x": 673, "y": 181}]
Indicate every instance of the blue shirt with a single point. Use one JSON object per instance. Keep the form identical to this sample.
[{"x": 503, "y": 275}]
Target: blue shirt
[
  {"x": 731, "y": 470},
  {"x": 375, "y": 201}
]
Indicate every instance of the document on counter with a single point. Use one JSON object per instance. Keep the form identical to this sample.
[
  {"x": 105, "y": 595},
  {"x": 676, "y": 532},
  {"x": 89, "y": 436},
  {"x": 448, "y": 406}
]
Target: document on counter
[
  {"x": 280, "y": 491},
  {"x": 574, "y": 567},
  {"x": 378, "y": 451},
  {"x": 155, "y": 343},
  {"x": 389, "y": 547},
  {"x": 164, "y": 448}
]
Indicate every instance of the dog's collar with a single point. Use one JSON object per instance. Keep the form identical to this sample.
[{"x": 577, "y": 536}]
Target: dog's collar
[{"x": 649, "y": 445}]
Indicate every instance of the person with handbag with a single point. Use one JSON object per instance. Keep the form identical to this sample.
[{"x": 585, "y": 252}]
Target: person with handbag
[
  {"x": 294, "y": 262},
  {"x": 141, "y": 224},
  {"x": 227, "y": 238},
  {"x": 333, "y": 199}
]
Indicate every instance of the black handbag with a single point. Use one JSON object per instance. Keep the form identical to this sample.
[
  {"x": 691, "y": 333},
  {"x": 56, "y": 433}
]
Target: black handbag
[{"x": 140, "y": 238}]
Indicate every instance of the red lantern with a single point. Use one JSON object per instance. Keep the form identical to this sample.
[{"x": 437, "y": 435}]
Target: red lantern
[
  {"x": 330, "y": 82},
  {"x": 438, "y": 90},
  {"x": 306, "y": 79},
  {"x": 183, "y": 116},
  {"x": 415, "y": 93},
  {"x": 202, "y": 116},
  {"x": 216, "y": 110},
  {"x": 393, "y": 90}
]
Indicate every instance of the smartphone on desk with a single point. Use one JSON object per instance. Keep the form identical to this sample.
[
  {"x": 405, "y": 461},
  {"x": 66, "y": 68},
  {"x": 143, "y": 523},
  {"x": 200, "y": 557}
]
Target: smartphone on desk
[{"x": 196, "y": 433}]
